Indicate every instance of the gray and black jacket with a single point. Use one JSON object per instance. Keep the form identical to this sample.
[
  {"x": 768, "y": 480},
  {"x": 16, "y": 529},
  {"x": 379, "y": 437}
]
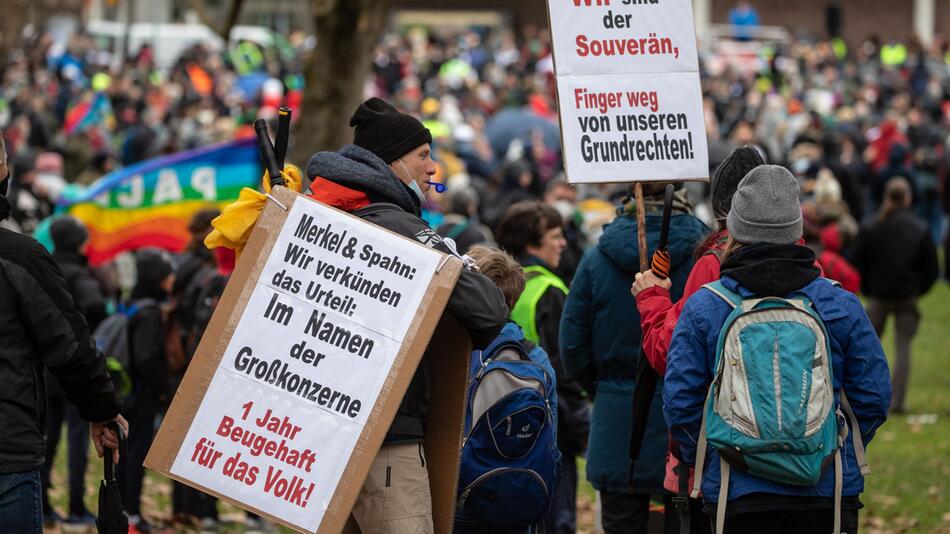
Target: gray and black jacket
[{"x": 476, "y": 302}]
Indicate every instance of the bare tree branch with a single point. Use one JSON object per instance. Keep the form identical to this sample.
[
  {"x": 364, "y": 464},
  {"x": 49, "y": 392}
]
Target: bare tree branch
[
  {"x": 233, "y": 15},
  {"x": 224, "y": 30}
]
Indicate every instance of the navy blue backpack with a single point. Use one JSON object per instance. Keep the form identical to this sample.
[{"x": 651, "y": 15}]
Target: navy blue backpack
[{"x": 510, "y": 461}]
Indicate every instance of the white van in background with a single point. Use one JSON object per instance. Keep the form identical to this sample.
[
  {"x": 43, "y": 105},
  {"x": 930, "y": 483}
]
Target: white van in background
[{"x": 168, "y": 41}]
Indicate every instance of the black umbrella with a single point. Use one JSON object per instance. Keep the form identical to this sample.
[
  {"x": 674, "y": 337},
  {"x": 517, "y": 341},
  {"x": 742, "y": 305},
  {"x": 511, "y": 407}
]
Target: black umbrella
[
  {"x": 646, "y": 377},
  {"x": 112, "y": 518}
]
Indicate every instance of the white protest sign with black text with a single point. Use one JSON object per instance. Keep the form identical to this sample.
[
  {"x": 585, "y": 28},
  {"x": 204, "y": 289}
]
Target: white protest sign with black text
[
  {"x": 629, "y": 94},
  {"x": 306, "y": 363}
]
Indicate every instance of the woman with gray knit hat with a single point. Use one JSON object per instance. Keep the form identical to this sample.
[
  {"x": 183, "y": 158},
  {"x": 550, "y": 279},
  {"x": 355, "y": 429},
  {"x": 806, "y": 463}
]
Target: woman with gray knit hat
[
  {"x": 658, "y": 312},
  {"x": 763, "y": 260}
]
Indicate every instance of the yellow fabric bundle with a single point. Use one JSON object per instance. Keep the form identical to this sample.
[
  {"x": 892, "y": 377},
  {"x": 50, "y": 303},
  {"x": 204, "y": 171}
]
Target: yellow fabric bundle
[{"x": 233, "y": 227}]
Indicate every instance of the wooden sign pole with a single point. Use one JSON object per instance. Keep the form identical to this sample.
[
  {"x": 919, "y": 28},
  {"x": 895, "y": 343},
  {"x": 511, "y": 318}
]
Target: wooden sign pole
[{"x": 641, "y": 226}]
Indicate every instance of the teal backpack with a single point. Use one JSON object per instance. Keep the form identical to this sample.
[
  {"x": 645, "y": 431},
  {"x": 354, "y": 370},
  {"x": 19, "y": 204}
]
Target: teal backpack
[{"x": 770, "y": 410}]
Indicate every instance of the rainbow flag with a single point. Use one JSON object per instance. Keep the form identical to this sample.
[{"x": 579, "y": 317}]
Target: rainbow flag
[{"x": 151, "y": 202}]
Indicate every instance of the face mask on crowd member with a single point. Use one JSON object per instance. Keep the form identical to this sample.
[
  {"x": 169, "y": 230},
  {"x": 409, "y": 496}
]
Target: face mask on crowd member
[
  {"x": 415, "y": 169},
  {"x": 562, "y": 196}
]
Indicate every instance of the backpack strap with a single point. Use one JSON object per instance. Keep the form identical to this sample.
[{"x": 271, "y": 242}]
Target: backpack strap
[
  {"x": 731, "y": 297},
  {"x": 723, "y": 496},
  {"x": 701, "y": 451},
  {"x": 859, "y": 452},
  {"x": 681, "y": 500},
  {"x": 838, "y": 487}
]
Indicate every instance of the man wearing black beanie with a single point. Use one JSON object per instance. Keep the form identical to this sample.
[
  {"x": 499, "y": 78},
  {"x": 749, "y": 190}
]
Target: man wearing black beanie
[{"x": 382, "y": 178}]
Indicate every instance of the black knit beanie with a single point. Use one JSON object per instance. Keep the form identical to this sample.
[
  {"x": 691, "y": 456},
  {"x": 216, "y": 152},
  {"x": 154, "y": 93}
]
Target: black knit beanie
[
  {"x": 384, "y": 131},
  {"x": 727, "y": 176},
  {"x": 68, "y": 234}
]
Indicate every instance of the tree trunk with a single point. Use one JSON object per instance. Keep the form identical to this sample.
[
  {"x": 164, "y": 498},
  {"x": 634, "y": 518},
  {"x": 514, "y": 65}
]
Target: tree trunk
[
  {"x": 208, "y": 19},
  {"x": 347, "y": 32}
]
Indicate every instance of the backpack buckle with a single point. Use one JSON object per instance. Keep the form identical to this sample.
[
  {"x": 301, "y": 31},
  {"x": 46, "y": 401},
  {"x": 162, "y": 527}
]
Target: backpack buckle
[{"x": 680, "y": 503}]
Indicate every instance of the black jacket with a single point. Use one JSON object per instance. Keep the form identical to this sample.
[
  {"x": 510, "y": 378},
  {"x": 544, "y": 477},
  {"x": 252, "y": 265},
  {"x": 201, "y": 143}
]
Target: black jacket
[
  {"x": 87, "y": 296},
  {"x": 896, "y": 257},
  {"x": 41, "y": 327},
  {"x": 82, "y": 286},
  {"x": 151, "y": 378},
  {"x": 476, "y": 302}
]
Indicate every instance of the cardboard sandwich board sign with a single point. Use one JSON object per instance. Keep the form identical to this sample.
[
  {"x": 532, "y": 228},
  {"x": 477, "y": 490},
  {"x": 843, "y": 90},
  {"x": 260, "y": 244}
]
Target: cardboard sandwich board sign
[
  {"x": 304, "y": 364},
  {"x": 629, "y": 96}
]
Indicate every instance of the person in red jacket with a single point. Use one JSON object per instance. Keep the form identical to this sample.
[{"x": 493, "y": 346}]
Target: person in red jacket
[{"x": 658, "y": 313}]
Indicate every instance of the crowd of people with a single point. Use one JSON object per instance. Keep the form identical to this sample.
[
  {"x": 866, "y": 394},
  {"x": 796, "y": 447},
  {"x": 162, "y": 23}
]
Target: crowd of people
[{"x": 828, "y": 170}]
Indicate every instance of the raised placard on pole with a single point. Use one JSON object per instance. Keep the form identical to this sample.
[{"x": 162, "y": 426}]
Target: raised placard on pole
[{"x": 628, "y": 87}]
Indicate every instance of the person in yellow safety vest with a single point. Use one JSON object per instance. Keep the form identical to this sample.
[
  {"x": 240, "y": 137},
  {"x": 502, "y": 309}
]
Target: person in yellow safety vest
[
  {"x": 532, "y": 232},
  {"x": 893, "y": 55}
]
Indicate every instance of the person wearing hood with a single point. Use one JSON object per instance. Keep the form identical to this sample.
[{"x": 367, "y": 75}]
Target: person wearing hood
[
  {"x": 600, "y": 345},
  {"x": 70, "y": 238},
  {"x": 533, "y": 233},
  {"x": 41, "y": 328},
  {"x": 898, "y": 164},
  {"x": 148, "y": 371},
  {"x": 762, "y": 259},
  {"x": 659, "y": 314},
  {"x": 381, "y": 178}
]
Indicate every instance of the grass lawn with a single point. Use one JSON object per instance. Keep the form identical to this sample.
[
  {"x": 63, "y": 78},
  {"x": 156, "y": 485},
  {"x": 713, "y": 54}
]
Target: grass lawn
[{"x": 910, "y": 456}]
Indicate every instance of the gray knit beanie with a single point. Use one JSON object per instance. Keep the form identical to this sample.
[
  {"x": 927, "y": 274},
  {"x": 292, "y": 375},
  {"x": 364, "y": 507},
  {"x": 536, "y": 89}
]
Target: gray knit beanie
[{"x": 765, "y": 207}]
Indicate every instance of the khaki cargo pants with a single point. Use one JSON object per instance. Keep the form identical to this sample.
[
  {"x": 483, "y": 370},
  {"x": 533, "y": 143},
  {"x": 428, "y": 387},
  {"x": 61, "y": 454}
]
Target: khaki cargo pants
[{"x": 395, "y": 498}]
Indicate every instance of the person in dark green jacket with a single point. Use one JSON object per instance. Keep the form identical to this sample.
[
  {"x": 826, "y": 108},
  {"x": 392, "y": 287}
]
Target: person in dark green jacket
[{"x": 600, "y": 344}]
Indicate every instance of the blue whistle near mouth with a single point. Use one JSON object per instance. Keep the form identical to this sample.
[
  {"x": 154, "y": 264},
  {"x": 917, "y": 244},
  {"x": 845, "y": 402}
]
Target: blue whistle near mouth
[{"x": 439, "y": 187}]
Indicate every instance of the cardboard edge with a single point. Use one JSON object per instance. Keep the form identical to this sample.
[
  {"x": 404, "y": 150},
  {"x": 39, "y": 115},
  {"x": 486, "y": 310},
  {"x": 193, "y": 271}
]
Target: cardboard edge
[{"x": 449, "y": 365}]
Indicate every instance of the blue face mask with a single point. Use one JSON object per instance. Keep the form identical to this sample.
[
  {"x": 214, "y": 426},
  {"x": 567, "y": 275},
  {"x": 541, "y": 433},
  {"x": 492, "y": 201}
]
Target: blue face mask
[
  {"x": 414, "y": 185},
  {"x": 418, "y": 191}
]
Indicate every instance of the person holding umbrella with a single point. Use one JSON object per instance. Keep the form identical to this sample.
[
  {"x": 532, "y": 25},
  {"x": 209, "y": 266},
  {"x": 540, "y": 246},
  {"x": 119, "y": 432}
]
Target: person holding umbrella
[
  {"x": 600, "y": 345},
  {"x": 40, "y": 327}
]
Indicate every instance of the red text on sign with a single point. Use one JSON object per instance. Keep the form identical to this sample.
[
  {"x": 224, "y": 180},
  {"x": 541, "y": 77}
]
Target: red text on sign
[
  {"x": 605, "y": 101},
  {"x": 291, "y": 489}
]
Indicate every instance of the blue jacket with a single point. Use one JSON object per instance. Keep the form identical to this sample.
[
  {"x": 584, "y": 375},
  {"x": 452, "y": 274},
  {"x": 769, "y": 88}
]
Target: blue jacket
[
  {"x": 858, "y": 365},
  {"x": 600, "y": 345}
]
